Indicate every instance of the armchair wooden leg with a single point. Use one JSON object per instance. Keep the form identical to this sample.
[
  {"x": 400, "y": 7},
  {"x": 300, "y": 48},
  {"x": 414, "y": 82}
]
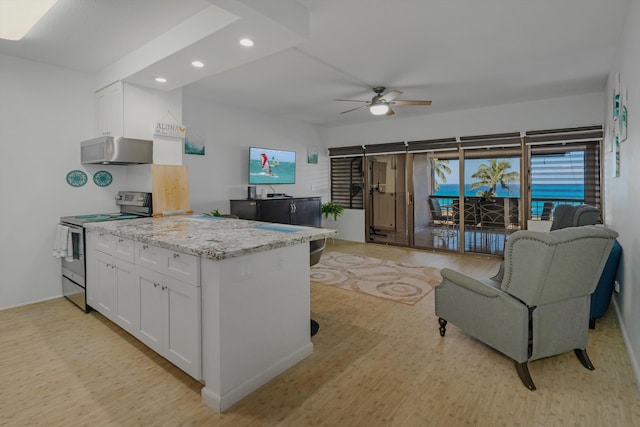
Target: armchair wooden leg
[
  {"x": 443, "y": 326},
  {"x": 584, "y": 358},
  {"x": 525, "y": 377}
]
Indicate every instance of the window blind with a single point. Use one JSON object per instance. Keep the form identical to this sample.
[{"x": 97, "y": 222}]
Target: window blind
[{"x": 347, "y": 181}]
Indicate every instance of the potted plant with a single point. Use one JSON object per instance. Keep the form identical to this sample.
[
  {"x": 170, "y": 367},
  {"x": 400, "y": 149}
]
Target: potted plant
[
  {"x": 331, "y": 208},
  {"x": 214, "y": 213}
]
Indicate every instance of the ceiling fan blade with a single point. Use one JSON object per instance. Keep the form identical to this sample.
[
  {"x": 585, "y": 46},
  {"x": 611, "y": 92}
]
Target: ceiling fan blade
[
  {"x": 390, "y": 112},
  {"x": 408, "y": 102},
  {"x": 391, "y": 95},
  {"x": 350, "y": 100},
  {"x": 354, "y": 109}
]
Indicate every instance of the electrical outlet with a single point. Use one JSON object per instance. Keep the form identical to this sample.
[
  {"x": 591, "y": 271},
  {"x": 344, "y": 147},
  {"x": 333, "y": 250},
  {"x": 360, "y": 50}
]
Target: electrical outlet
[{"x": 616, "y": 286}]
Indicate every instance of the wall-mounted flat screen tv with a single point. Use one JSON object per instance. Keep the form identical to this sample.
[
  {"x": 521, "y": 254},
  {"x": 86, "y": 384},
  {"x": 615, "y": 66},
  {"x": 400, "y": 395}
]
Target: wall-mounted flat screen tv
[{"x": 269, "y": 166}]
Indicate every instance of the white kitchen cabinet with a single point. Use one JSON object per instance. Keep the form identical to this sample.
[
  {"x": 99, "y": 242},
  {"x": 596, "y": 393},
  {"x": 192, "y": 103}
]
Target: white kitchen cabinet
[
  {"x": 110, "y": 110},
  {"x": 151, "y": 292},
  {"x": 105, "y": 286},
  {"x": 170, "y": 319},
  {"x": 111, "y": 286}
]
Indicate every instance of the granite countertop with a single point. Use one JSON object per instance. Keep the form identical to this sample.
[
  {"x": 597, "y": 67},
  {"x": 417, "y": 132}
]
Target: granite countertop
[{"x": 211, "y": 237}]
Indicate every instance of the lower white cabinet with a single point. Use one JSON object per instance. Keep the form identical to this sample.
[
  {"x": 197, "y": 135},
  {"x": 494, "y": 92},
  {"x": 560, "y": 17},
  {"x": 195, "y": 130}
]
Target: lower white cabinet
[
  {"x": 170, "y": 319},
  {"x": 145, "y": 298},
  {"x": 111, "y": 286}
]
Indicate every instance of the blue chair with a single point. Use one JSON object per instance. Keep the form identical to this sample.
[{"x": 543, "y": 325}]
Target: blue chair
[{"x": 601, "y": 297}]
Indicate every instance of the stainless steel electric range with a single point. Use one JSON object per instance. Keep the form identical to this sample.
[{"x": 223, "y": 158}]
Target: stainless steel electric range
[{"x": 133, "y": 204}]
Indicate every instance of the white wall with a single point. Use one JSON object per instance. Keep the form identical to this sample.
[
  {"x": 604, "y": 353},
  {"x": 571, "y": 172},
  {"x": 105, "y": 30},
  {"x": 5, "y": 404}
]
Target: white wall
[
  {"x": 621, "y": 196},
  {"x": 223, "y": 172},
  {"x": 44, "y": 114}
]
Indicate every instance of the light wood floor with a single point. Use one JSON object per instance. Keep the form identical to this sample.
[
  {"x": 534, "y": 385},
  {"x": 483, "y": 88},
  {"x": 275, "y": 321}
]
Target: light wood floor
[{"x": 375, "y": 363}]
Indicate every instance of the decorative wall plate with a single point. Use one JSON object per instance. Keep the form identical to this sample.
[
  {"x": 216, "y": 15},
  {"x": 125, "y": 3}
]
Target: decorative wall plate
[
  {"x": 102, "y": 178},
  {"x": 76, "y": 178}
]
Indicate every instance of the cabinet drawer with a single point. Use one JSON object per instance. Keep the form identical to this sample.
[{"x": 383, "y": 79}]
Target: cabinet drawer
[
  {"x": 178, "y": 265},
  {"x": 119, "y": 247},
  {"x": 184, "y": 267},
  {"x": 150, "y": 256}
]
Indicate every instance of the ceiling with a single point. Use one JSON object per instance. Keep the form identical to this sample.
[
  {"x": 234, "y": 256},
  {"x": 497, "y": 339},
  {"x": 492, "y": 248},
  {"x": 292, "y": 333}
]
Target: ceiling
[{"x": 460, "y": 54}]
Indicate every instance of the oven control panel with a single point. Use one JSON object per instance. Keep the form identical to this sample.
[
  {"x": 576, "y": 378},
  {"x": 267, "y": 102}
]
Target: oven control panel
[{"x": 133, "y": 198}]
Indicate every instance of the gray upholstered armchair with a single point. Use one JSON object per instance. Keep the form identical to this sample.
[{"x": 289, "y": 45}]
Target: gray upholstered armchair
[{"x": 538, "y": 305}]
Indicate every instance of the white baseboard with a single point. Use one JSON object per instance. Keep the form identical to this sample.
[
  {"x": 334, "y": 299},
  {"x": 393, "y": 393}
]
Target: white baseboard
[
  {"x": 222, "y": 403},
  {"x": 627, "y": 342},
  {"x": 32, "y": 302}
]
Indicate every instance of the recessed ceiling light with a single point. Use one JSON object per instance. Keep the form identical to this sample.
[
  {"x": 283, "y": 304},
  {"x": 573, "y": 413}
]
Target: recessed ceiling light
[
  {"x": 197, "y": 64},
  {"x": 246, "y": 42},
  {"x": 161, "y": 80},
  {"x": 19, "y": 16}
]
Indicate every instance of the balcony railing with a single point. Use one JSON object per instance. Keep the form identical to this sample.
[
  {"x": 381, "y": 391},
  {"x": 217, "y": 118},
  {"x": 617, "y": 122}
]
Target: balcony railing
[{"x": 541, "y": 208}]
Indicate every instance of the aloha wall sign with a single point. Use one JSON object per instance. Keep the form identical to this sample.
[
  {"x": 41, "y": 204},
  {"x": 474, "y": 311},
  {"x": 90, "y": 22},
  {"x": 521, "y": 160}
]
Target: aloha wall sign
[{"x": 170, "y": 129}]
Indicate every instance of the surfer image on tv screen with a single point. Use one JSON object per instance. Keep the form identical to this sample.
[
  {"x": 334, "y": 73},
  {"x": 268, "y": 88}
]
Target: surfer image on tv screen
[
  {"x": 270, "y": 166},
  {"x": 266, "y": 165}
]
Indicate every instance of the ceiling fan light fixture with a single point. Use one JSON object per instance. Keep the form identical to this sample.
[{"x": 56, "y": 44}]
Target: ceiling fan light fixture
[
  {"x": 379, "y": 109},
  {"x": 246, "y": 42}
]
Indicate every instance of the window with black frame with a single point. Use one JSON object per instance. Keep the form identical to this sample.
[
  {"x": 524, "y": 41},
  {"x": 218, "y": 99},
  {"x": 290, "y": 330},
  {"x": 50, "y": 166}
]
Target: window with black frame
[
  {"x": 347, "y": 177},
  {"x": 566, "y": 172}
]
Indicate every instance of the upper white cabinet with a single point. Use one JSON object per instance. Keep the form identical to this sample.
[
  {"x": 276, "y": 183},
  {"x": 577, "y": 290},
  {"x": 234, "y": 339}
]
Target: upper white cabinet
[
  {"x": 125, "y": 109},
  {"x": 110, "y": 110}
]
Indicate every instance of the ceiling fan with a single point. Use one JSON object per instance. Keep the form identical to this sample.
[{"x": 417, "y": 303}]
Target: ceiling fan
[{"x": 381, "y": 104}]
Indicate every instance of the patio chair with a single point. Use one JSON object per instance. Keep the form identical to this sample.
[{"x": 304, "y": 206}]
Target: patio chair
[
  {"x": 539, "y": 306},
  {"x": 439, "y": 220},
  {"x": 547, "y": 208}
]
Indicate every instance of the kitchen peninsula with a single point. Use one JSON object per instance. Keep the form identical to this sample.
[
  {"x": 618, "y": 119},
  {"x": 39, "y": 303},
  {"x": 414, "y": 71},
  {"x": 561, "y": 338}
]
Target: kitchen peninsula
[{"x": 225, "y": 300}]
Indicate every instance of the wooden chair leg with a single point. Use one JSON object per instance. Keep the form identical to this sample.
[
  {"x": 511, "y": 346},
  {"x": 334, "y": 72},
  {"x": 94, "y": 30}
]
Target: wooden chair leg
[
  {"x": 525, "y": 377},
  {"x": 584, "y": 358},
  {"x": 443, "y": 326}
]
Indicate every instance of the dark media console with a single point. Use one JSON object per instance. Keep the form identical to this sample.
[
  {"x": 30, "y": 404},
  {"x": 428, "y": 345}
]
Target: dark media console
[{"x": 281, "y": 208}]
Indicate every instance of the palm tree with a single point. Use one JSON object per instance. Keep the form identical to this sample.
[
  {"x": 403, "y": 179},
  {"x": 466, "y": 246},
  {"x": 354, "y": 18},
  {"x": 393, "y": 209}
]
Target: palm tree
[
  {"x": 493, "y": 174},
  {"x": 439, "y": 168}
]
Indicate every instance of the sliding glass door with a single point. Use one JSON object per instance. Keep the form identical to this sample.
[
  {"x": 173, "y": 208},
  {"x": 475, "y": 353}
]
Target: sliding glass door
[
  {"x": 492, "y": 202},
  {"x": 436, "y": 185},
  {"x": 387, "y": 199},
  {"x": 466, "y": 194}
]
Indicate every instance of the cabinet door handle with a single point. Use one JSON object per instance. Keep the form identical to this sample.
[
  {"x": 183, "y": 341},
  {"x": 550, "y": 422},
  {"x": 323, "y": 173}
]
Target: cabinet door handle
[
  {"x": 164, "y": 288},
  {"x": 176, "y": 255},
  {"x": 155, "y": 285},
  {"x": 145, "y": 247},
  {"x": 120, "y": 240}
]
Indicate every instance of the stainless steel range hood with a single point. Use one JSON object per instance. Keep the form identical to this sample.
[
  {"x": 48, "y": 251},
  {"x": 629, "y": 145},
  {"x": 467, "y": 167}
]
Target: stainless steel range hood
[{"x": 108, "y": 150}]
